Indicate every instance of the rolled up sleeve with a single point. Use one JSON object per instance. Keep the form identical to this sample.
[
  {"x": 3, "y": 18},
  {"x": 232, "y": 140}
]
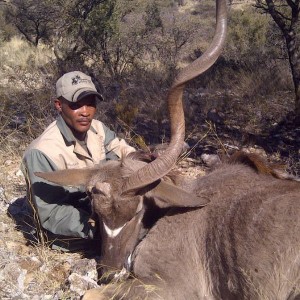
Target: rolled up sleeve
[
  {"x": 58, "y": 208},
  {"x": 115, "y": 145}
]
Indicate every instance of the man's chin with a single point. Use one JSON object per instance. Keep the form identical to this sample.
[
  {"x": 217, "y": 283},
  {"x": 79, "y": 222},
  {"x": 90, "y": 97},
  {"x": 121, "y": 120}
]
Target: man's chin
[{"x": 82, "y": 129}]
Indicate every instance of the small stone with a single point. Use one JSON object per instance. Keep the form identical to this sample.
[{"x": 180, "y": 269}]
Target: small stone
[
  {"x": 19, "y": 173},
  {"x": 80, "y": 284},
  {"x": 8, "y": 162}
]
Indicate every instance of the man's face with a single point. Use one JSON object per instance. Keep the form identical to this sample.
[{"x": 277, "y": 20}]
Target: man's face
[{"x": 78, "y": 115}]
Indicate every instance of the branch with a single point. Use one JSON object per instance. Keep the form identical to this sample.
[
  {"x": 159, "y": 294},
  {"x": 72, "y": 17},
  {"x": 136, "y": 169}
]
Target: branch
[
  {"x": 27, "y": 37},
  {"x": 292, "y": 5},
  {"x": 277, "y": 16}
]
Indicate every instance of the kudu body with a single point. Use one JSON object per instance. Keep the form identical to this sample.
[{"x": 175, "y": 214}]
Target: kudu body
[{"x": 244, "y": 244}]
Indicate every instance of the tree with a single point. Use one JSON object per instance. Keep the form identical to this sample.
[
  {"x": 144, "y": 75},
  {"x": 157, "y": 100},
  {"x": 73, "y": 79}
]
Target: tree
[
  {"x": 285, "y": 14},
  {"x": 73, "y": 21},
  {"x": 100, "y": 30},
  {"x": 34, "y": 19},
  {"x": 152, "y": 17}
]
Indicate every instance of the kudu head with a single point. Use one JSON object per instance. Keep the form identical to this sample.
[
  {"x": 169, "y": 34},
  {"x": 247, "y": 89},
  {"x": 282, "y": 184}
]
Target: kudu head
[
  {"x": 124, "y": 218},
  {"x": 121, "y": 192}
]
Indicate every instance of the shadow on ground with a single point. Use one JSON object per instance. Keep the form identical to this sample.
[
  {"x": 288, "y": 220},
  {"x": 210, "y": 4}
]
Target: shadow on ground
[{"x": 27, "y": 223}]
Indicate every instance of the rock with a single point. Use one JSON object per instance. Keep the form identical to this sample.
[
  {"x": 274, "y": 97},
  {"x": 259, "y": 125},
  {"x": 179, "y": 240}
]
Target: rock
[
  {"x": 257, "y": 150},
  {"x": 12, "y": 279},
  {"x": 19, "y": 173},
  {"x": 2, "y": 193},
  {"x": 8, "y": 162},
  {"x": 86, "y": 267},
  {"x": 211, "y": 160},
  {"x": 80, "y": 284},
  {"x": 84, "y": 276},
  {"x": 4, "y": 227},
  {"x": 215, "y": 116}
]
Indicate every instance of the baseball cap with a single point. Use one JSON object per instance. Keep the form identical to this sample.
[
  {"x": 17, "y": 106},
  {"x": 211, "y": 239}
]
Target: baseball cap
[{"x": 74, "y": 86}]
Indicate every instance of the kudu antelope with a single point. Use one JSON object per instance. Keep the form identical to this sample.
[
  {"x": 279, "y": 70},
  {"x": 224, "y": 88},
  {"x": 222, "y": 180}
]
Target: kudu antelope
[{"x": 244, "y": 244}]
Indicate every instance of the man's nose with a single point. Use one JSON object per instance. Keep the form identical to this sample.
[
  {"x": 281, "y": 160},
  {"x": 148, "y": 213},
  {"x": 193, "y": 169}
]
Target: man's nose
[{"x": 84, "y": 110}]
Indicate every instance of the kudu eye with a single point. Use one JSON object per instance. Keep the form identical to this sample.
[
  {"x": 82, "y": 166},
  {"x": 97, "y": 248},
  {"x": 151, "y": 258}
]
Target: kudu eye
[
  {"x": 96, "y": 191},
  {"x": 100, "y": 188}
]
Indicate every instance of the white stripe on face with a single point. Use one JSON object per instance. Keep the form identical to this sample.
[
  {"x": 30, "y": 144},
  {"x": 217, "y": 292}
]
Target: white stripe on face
[{"x": 112, "y": 233}]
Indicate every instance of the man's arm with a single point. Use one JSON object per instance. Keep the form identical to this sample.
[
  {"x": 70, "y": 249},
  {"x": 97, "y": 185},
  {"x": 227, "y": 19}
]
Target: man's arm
[
  {"x": 115, "y": 148},
  {"x": 59, "y": 208}
]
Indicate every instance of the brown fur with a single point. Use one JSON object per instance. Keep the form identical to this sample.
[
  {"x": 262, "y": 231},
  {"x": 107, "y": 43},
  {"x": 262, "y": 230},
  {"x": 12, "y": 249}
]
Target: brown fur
[
  {"x": 244, "y": 245},
  {"x": 256, "y": 162}
]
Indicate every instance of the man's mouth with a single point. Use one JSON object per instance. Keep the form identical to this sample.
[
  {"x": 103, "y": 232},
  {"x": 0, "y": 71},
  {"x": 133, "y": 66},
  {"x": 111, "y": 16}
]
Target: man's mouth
[{"x": 84, "y": 122}]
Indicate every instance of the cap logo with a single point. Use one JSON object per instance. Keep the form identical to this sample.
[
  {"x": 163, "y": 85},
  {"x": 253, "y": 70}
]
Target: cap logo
[{"x": 77, "y": 79}]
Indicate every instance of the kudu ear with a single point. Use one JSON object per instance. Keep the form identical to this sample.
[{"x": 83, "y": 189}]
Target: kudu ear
[
  {"x": 71, "y": 177},
  {"x": 166, "y": 195}
]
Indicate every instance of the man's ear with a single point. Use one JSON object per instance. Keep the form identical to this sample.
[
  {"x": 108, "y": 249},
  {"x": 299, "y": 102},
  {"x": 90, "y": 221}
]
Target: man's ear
[{"x": 58, "y": 104}]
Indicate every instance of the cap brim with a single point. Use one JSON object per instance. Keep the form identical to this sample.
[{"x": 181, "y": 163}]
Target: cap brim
[{"x": 88, "y": 93}]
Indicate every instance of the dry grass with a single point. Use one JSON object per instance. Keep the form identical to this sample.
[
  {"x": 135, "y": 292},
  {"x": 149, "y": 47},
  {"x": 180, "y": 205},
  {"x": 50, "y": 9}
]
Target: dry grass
[
  {"x": 10, "y": 158},
  {"x": 123, "y": 288},
  {"x": 18, "y": 53}
]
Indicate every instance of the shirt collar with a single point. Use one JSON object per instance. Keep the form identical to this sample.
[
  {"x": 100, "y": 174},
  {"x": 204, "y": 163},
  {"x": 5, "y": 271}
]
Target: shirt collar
[{"x": 67, "y": 132}]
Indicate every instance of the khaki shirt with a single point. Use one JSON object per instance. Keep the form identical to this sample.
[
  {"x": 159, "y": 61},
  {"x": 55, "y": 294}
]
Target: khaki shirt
[{"x": 61, "y": 210}]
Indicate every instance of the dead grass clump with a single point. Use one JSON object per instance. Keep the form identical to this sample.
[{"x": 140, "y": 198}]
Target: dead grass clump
[
  {"x": 265, "y": 80},
  {"x": 19, "y": 53},
  {"x": 123, "y": 288}
]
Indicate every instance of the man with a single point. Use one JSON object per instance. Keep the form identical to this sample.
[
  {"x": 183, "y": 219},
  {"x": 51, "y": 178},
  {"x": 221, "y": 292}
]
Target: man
[{"x": 74, "y": 140}]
